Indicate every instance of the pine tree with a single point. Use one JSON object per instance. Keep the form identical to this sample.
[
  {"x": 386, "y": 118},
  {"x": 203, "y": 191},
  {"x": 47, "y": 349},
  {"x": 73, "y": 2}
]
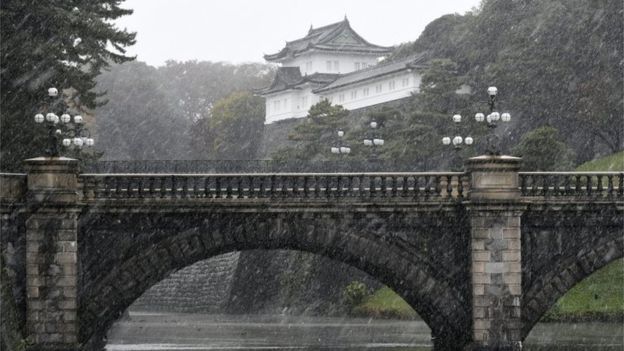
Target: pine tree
[{"x": 63, "y": 44}]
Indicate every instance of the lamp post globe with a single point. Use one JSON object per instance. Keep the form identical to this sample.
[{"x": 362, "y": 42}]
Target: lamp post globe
[
  {"x": 492, "y": 91},
  {"x": 505, "y": 117},
  {"x": 446, "y": 141},
  {"x": 479, "y": 117},
  {"x": 52, "y": 92},
  {"x": 457, "y": 118},
  {"x": 468, "y": 141},
  {"x": 39, "y": 118}
]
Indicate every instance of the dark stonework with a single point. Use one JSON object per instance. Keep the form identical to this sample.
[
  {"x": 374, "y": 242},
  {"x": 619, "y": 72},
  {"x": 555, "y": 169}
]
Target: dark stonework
[{"x": 480, "y": 260}]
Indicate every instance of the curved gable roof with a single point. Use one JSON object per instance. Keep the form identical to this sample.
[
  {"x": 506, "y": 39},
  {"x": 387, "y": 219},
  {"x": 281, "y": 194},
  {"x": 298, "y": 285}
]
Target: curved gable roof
[{"x": 333, "y": 37}]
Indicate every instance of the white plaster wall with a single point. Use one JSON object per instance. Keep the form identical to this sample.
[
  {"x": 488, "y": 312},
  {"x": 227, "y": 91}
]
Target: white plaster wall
[
  {"x": 293, "y": 104},
  {"x": 374, "y": 97},
  {"x": 318, "y": 60}
]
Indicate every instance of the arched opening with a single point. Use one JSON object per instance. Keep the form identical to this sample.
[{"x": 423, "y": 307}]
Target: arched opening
[
  {"x": 270, "y": 299},
  {"x": 590, "y": 316}
]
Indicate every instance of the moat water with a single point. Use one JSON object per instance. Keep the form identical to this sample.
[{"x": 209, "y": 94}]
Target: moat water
[{"x": 201, "y": 332}]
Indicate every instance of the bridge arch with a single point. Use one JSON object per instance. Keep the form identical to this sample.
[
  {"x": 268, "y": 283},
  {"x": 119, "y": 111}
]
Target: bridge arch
[
  {"x": 382, "y": 245},
  {"x": 591, "y": 242}
]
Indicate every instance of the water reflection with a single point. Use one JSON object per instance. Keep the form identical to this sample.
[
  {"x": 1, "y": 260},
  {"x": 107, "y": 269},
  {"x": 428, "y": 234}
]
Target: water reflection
[{"x": 201, "y": 332}]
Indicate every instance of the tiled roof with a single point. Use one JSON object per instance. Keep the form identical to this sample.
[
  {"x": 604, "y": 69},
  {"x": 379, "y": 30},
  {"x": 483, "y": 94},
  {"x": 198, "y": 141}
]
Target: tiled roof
[
  {"x": 290, "y": 78},
  {"x": 334, "y": 37},
  {"x": 413, "y": 62}
]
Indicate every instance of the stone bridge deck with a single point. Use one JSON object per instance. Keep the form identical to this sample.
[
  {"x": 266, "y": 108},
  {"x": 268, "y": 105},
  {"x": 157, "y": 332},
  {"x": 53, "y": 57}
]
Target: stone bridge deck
[{"x": 480, "y": 255}]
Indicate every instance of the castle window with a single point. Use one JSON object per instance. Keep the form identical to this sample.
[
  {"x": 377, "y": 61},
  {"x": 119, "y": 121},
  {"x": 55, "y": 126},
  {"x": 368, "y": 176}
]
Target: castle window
[
  {"x": 378, "y": 88},
  {"x": 365, "y": 91},
  {"x": 354, "y": 95},
  {"x": 405, "y": 82},
  {"x": 357, "y": 66},
  {"x": 309, "y": 66},
  {"x": 336, "y": 66},
  {"x": 341, "y": 98},
  {"x": 329, "y": 66},
  {"x": 391, "y": 85}
]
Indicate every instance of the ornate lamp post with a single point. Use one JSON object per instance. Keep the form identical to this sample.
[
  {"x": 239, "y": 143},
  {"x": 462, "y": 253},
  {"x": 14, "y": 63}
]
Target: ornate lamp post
[
  {"x": 375, "y": 141},
  {"x": 493, "y": 145},
  {"x": 340, "y": 149},
  {"x": 72, "y": 129},
  {"x": 457, "y": 141}
]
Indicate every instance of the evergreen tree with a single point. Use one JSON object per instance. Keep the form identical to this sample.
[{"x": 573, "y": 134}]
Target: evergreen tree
[
  {"x": 316, "y": 134},
  {"x": 64, "y": 44},
  {"x": 542, "y": 150}
]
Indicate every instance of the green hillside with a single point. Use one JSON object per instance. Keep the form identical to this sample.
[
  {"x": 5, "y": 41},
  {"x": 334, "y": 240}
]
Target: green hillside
[{"x": 613, "y": 162}]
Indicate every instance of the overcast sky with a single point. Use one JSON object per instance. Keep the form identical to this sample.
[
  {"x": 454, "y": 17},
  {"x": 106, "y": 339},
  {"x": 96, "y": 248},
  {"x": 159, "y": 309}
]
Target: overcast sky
[{"x": 243, "y": 30}]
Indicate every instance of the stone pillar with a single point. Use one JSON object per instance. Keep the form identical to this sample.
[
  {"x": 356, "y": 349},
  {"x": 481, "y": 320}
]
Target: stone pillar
[
  {"x": 52, "y": 253},
  {"x": 496, "y": 269}
]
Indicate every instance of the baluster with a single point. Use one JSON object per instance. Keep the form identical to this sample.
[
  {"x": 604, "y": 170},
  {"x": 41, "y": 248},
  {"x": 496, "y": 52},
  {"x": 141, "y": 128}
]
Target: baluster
[
  {"x": 372, "y": 186},
  {"x": 438, "y": 186},
  {"x": 151, "y": 188},
  {"x": 522, "y": 179},
  {"x": 416, "y": 187},
  {"x": 545, "y": 185},
  {"x": 567, "y": 186},
  {"x": 129, "y": 187},
  {"x": 305, "y": 186},
  {"x": 393, "y": 185},
  {"x": 328, "y": 186},
  {"x": 317, "y": 187},
  {"x": 228, "y": 189},
  {"x": 196, "y": 187},
  {"x": 589, "y": 186},
  {"x": 163, "y": 187},
  {"x": 578, "y": 185},
  {"x": 404, "y": 187},
  {"x": 338, "y": 186},
  {"x": 382, "y": 185},
  {"x": 610, "y": 185},
  {"x": 239, "y": 187},
  {"x": 449, "y": 186},
  {"x": 427, "y": 180},
  {"x": 350, "y": 185},
  {"x": 140, "y": 192},
  {"x": 361, "y": 190},
  {"x": 217, "y": 187},
  {"x": 621, "y": 184},
  {"x": 252, "y": 189},
  {"x": 284, "y": 191},
  {"x": 118, "y": 186},
  {"x": 185, "y": 187},
  {"x": 272, "y": 188},
  {"x": 261, "y": 187},
  {"x": 295, "y": 189},
  {"x": 600, "y": 187},
  {"x": 460, "y": 186},
  {"x": 207, "y": 187},
  {"x": 174, "y": 186}
]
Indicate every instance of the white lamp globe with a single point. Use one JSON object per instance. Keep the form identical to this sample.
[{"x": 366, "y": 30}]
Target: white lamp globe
[
  {"x": 335, "y": 150},
  {"x": 368, "y": 142},
  {"x": 78, "y": 119},
  {"x": 55, "y": 118},
  {"x": 49, "y": 117},
  {"x": 89, "y": 142},
  {"x": 65, "y": 118},
  {"x": 78, "y": 142},
  {"x": 52, "y": 92},
  {"x": 457, "y": 140},
  {"x": 373, "y": 124},
  {"x": 39, "y": 118},
  {"x": 347, "y": 150},
  {"x": 58, "y": 132},
  {"x": 479, "y": 117},
  {"x": 457, "y": 118},
  {"x": 495, "y": 116},
  {"x": 344, "y": 150},
  {"x": 489, "y": 118},
  {"x": 492, "y": 91},
  {"x": 505, "y": 117},
  {"x": 446, "y": 141},
  {"x": 341, "y": 133},
  {"x": 67, "y": 142},
  {"x": 468, "y": 140},
  {"x": 378, "y": 142}
]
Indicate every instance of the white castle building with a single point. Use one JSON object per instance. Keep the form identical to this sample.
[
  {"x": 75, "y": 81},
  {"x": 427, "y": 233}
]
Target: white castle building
[{"x": 335, "y": 63}]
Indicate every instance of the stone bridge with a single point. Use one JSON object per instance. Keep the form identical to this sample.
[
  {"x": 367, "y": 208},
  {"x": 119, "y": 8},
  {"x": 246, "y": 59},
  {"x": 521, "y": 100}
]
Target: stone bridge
[{"x": 480, "y": 255}]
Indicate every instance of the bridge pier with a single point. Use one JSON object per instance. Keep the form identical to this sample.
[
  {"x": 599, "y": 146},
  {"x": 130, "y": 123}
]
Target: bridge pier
[
  {"x": 51, "y": 254},
  {"x": 496, "y": 268}
]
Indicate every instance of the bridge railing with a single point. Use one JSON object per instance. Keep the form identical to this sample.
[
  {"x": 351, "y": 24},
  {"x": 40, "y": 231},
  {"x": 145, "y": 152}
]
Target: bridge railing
[
  {"x": 568, "y": 184},
  {"x": 420, "y": 186}
]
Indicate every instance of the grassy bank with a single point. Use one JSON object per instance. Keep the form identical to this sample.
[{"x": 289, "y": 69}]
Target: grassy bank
[
  {"x": 598, "y": 297},
  {"x": 613, "y": 162},
  {"x": 384, "y": 303}
]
